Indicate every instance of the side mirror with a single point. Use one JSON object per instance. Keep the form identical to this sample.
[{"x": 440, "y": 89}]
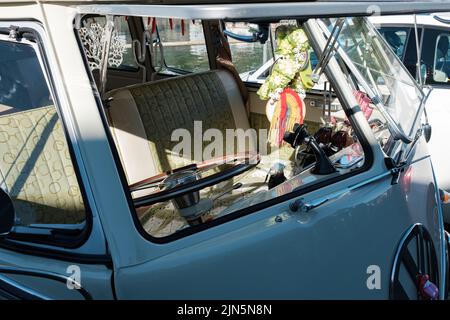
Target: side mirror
[
  {"x": 440, "y": 76},
  {"x": 7, "y": 215},
  {"x": 426, "y": 128},
  {"x": 425, "y": 72}
]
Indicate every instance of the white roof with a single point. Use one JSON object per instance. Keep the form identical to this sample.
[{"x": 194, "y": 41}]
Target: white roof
[{"x": 422, "y": 19}]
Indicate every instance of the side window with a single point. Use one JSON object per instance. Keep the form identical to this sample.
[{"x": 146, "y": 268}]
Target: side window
[
  {"x": 441, "y": 65},
  {"x": 435, "y": 62},
  {"x": 36, "y": 169},
  {"x": 123, "y": 41},
  {"x": 397, "y": 38},
  {"x": 254, "y": 60},
  {"x": 251, "y": 59},
  {"x": 402, "y": 41},
  {"x": 183, "y": 42}
]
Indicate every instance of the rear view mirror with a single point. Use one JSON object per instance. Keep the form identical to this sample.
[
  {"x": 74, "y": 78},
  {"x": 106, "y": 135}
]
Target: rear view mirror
[{"x": 7, "y": 215}]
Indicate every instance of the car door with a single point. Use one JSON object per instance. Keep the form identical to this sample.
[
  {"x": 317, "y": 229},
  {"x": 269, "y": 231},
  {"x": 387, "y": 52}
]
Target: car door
[
  {"x": 335, "y": 241},
  {"x": 56, "y": 249},
  {"x": 326, "y": 253}
]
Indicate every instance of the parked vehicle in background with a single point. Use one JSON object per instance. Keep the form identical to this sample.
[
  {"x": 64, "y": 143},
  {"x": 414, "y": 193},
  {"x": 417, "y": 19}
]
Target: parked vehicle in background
[{"x": 433, "y": 36}]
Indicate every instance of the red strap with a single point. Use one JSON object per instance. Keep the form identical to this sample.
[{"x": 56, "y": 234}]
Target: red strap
[
  {"x": 364, "y": 102},
  {"x": 299, "y": 102},
  {"x": 153, "y": 25},
  {"x": 182, "y": 27},
  {"x": 283, "y": 111}
]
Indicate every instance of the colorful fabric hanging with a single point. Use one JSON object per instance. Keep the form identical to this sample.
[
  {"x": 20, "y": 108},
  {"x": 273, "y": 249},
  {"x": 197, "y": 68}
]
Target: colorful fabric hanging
[
  {"x": 289, "y": 110},
  {"x": 286, "y": 86}
]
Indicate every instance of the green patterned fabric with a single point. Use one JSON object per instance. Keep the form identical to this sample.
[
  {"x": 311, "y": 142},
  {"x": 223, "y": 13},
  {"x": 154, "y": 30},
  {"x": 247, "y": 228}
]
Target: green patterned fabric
[
  {"x": 292, "y": 67},
  {"x": 36, "y": 168},
  {"x": 169, "y": 105}
]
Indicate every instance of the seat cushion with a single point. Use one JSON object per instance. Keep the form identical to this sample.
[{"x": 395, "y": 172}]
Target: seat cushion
[
  {"x": 36, "y": 168},
  {"x": 144, "y": 120}
]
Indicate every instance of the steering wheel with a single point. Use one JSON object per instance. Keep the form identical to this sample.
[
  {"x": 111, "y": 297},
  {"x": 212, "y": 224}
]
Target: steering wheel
[{"x": 189, "y": 178}]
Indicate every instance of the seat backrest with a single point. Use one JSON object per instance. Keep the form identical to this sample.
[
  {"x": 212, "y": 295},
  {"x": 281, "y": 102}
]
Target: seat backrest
[
  {"x": 36, "y": 168},
  {"x": 144, "y": 118}
]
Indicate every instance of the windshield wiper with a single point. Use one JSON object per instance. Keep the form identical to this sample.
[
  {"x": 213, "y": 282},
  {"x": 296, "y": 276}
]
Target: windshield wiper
[{"x": 328, "y": 51}]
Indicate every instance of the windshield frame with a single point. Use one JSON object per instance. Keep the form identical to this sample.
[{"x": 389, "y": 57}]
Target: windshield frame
[{"x": 208, "y": 9}]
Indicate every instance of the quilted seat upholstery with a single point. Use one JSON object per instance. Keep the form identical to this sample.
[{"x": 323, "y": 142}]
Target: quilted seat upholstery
[
  {"x": 143, "y": 118},
  {"x": 36, "y": 168}
]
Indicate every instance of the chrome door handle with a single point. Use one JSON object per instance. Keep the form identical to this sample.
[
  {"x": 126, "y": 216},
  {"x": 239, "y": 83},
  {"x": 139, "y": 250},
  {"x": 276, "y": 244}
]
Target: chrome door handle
[{"x": 299, "y": 204}]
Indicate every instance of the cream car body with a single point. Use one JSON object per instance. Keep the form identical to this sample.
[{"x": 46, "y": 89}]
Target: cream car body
[{"x": 321, "y": 241}]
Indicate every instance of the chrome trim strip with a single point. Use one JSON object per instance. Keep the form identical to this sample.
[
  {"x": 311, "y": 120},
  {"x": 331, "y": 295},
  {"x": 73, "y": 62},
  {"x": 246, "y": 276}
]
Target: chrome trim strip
[
  {"x": 319, "y": 201},
  {"x": 399, "y": 247}
]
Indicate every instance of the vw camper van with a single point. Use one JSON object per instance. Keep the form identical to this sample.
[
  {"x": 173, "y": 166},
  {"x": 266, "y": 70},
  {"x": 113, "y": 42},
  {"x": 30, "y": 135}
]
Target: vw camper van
[{"x": 136, "y": 164}]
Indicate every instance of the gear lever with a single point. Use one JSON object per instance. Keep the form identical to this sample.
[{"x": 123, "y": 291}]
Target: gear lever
[{"x": 301, "y": 136}]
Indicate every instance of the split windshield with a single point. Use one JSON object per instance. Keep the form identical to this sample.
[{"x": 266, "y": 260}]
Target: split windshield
[{"x": 382, "y": 72}]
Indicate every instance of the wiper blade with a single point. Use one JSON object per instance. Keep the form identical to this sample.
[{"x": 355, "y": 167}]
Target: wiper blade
[{"x": 328, "y": 52}]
